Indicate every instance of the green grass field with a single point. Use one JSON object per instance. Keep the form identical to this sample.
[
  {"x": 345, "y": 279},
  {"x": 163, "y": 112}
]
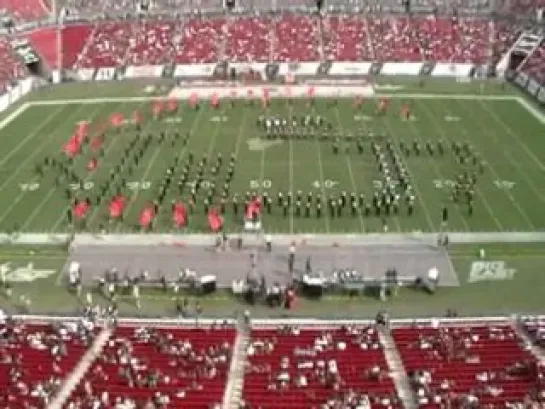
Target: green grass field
[
  {"x": 509, "y": 195},
  {"x": 523, "y": 293}
]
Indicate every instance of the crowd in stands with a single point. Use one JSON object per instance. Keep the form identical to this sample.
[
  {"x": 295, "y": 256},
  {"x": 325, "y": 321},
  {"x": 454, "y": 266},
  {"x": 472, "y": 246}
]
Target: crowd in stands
[
  {"x": 144, "y": 367},
  {"x": 290, "y": 38},
  {"x": 263, "y": 38},
  {"x": 34, "y": 359},
  {"x": 329, "y": 367},
  {"x": 480, "y": 366}
]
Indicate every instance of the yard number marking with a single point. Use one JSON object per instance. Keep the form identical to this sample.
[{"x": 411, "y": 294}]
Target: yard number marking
[
  {"x": 504, "y": 184},
  {"x": 328, "y": 184},
  {"x": 218, "y": 119},
  {"x": 171, "y": 120},
  {"x": 450, "y": 184},
  {"x": 29, "y": 187},
  {"x": 490, "y": 271},
  {"x": 444, "y": 183},
  {"x": 143, "y": 185},
  {"x": 379, "y": 184},
  {"x": 450, "y": 118},
  {"x": 264, "y": 184},
  {"x": 362, "y": 118},
  {"x": 81, "y": 186}
]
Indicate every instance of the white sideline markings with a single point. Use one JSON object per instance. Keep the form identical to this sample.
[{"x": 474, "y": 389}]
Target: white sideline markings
[{"x": 474, "y": 97}]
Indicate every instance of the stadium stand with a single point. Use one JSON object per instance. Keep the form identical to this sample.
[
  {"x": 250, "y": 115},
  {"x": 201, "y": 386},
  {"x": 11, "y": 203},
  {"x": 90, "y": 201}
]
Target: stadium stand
[
  {"x": 474, "y": 365},
  {"x": 249, "y": 39},
  {"x": 10, "y": 68},
  {"x": 200, "y": 40},
  {"x": 454, "y": 363},
  {"x": 35, "y": 358},
  {"x": 298, "y": 369},
  {"x": 253, "y": 39},
  {"x": 170, "y": 367},
  {"x": 27, "y": 10},
  {"x": 535, "y": 65}
]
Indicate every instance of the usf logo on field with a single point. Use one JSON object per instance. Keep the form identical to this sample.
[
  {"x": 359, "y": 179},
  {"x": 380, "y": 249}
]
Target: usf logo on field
[
  {"x": 490, "y": 271},
  {"x": 23, "y": 274}
]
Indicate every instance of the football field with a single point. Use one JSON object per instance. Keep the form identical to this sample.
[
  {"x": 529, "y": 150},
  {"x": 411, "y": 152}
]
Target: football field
[{"x": 503, "y": 132}]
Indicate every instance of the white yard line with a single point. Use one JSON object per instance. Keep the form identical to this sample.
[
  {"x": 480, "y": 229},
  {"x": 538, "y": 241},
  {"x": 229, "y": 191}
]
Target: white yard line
[
  {"x": 477, "y": 190},
  {"x": 421, "y": 200},
  {"x": 513, "y": 134},
  {"x": 511, "y": 198},
  {"x": 322, "y": 182},
  {"x": 470, "y": 97},
  {"x": 535, "y": 112},
  {"x": 91, "y": 175},
  {"x": 35, "y": 132},
  {"x": 11, "y": 117},
  {"x": 497, "y": 176},
  {"x": 158, "y": 149},
  {"x": 351, "y": 174},
  {"x": 46, "y": 141},
  {"x": 46, "y": 198},
  {"x": 290, "y": 113}
]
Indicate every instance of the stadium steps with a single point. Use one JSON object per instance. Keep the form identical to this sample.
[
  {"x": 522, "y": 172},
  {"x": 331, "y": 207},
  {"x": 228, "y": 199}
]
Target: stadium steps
[
  {"x": 235, "y": 380},
  {"x": 397, "y": 370},
  {"x": 73, "y": 379},
  {"x": 536, "y": 351}
]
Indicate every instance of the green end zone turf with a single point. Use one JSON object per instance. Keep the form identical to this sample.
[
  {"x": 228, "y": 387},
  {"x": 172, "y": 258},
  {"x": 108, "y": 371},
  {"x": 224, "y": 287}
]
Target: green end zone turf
[{"x": 508, "y": 137}]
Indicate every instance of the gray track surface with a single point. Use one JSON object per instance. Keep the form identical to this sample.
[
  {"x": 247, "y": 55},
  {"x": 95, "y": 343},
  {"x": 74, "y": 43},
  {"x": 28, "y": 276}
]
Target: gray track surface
[{"x": 372, "y": 260}]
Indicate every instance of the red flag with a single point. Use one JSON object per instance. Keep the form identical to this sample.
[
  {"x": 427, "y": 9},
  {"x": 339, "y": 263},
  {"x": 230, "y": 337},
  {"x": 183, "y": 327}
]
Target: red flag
[
  {"x": 146, "y": 216},
  {"x": 82, "y": 129},
  {"x": 80, "y": 209},
  {"x": 71, "y": 148},
  {"x": 214, "y": 220},
  {"x": 96, "y": 142},
  {"x": 179, "y": 214},
  {"x": 117, "y": 205},
  {"x": 250, "y": 93},
  {"x": 215, "y": 101},
  {"x": 136, "y": 117},
  {"x": 92, "y": 165},
  {"x": 193, "y": 100},
  {"x": 253, "y": 209},
  {"x": 172, "y": 105},
  {"x": 116, "y": 119},
  {"x": 156, "y": 108},
  {"x": 310, "y": 92}
]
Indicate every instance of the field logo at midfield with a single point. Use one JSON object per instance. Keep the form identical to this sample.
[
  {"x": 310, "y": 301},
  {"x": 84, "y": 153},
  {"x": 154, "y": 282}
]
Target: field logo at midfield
[
  {"x": 258, "y": 144},
  {"x": 219, "y": 119},
  {"x": 490, "y": 271},
  {"x": 24, "y": 274}
]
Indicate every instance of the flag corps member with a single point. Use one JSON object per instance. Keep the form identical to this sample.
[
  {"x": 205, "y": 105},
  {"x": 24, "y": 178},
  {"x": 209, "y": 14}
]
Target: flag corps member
[
  {"x": 215, "y": 222},
  {"x": 179, "y": 214},
  {"x": 116, "y": 207}
]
